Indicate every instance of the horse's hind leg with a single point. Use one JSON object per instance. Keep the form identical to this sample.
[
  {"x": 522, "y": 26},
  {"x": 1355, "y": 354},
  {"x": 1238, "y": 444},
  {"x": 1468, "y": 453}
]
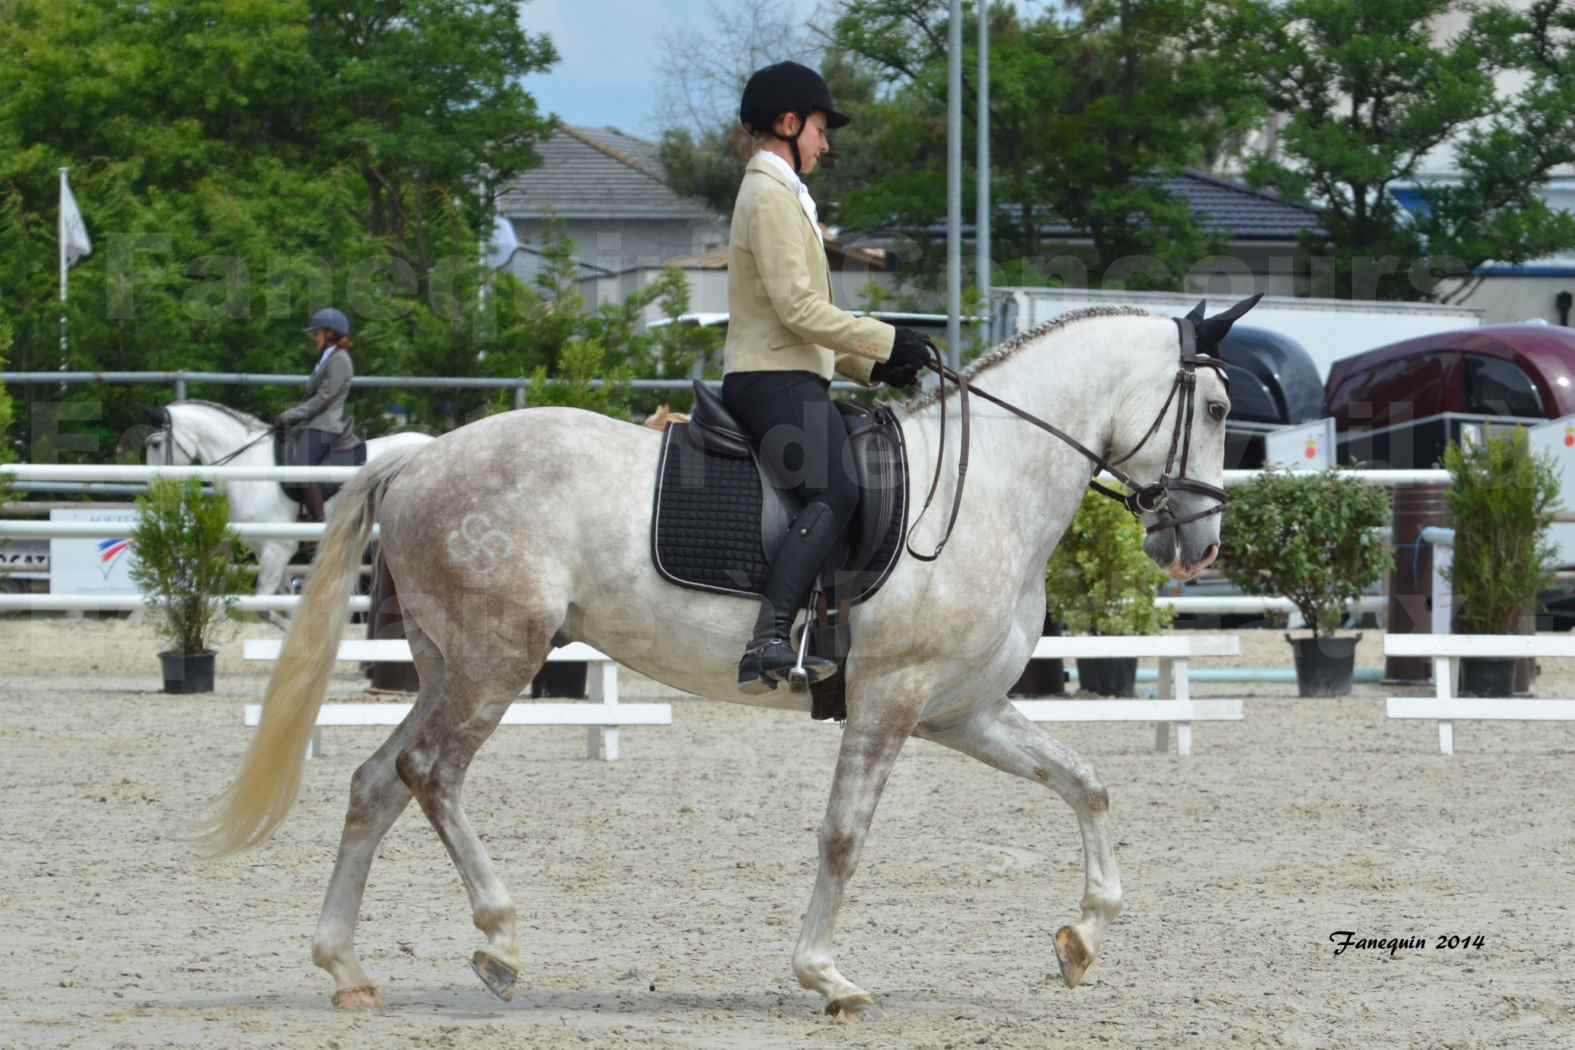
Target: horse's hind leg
[
  {"x": 480, "y": 688},
  {"x": 999, "y": 735},
  {"x": 377, "y": 798}
]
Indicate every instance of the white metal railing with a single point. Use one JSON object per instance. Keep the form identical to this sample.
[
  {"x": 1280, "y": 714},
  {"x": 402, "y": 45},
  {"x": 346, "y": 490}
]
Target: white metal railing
[
  {"x": 131, "y": 602},
  {"x": 127, "y": 472},
  {"x": 103, "y": 530}
]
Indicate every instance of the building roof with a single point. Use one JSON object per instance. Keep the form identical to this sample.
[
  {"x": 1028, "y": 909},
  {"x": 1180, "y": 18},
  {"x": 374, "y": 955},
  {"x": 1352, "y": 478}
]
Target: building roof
[
  {"x": 1240, "y": 212},
  {"x": 597, "y": 173},
  {"x": 1233, "y": 210},
  {"x": 839, "y": 255}
]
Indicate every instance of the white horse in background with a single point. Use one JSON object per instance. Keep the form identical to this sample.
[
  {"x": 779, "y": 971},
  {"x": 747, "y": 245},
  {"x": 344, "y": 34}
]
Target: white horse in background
[
  {"x": 205, "y": 432},
  {"x": 532, "y": 528}
]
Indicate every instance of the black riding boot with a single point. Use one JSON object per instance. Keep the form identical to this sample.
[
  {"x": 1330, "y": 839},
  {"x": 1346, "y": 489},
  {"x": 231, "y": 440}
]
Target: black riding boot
[
  {"x": 312, "y": 498},
  {"x": 770, "y": 655}
]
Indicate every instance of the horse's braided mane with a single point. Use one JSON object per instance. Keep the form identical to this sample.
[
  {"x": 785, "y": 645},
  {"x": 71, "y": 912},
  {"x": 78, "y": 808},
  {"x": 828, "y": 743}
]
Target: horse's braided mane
[
  {"x": 244, "y": 418},
  {"x": 1013, "y": 345}
]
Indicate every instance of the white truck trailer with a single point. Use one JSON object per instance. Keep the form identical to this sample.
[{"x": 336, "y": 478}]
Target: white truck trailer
[{"x": 1329, "y": 329}]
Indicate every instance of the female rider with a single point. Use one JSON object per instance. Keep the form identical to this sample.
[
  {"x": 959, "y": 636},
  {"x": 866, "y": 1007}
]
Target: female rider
[{"x": 785, "y": 339}]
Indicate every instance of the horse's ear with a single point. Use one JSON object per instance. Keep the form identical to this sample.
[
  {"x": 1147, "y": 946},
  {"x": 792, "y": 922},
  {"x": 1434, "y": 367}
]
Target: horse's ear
[
  {"x": 158, "y": 417},
  {"x": 1197, "y": 311},
  {"x": 1213, "y": 330}
]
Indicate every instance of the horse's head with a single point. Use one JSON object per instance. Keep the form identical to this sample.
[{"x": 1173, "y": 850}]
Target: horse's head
[
  {"x": 160, "y": 448},
  {"x": 1175, "y": 443}
]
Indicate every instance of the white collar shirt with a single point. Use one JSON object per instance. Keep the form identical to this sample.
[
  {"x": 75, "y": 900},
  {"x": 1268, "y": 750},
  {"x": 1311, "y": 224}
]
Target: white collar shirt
[{"x": 804, "y": 199}]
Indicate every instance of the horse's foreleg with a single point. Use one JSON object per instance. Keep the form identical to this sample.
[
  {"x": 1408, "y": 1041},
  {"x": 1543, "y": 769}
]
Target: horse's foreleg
[
  {"x": 870, "y": 746},
  {"x": 433, "y": 766},
  {"x": 377, "y": 798},
  {"x": 273, "y": 560},
  {"x": 999, "y": 735}
]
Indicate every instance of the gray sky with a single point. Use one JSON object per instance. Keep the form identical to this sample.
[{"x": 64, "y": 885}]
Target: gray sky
[{"x": 611, "y": 52}]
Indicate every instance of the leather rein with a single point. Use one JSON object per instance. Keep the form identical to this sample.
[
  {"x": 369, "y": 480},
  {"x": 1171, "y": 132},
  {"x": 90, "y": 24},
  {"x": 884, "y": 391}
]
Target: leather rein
[{"x": 1141, "y": 499}]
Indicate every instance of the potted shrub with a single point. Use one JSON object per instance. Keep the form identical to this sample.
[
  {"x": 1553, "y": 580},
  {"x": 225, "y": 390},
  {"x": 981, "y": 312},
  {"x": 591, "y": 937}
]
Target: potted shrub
[
  {"x": 1314, "y": 538},
  {"x": 186, "y": 569},
  {"x": 1099, "y": 581},
  {"x": 1501, "y": 504}
]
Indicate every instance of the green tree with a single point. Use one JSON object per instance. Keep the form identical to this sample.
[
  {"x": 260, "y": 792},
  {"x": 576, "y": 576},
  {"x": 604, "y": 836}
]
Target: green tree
[
  {"x": 1087, "y": 111},
  {"x": 1368, "y": 94},
  {"x": 241, "y": 162}
]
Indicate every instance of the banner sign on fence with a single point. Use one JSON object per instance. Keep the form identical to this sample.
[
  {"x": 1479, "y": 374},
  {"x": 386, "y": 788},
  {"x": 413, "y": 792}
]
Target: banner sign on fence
[
  {"x": 1556, "y": 440},
  {"x": 88, "y": 566},
  {"x": 1302, "y": 446}
]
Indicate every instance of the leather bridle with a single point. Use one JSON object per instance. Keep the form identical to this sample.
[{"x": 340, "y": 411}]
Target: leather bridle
[
  {"x": 170, "y": 445},
  {"x": 1140, "y": 499}
]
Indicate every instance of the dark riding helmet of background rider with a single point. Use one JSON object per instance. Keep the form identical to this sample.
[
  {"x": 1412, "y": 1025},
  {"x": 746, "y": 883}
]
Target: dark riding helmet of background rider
[
  {"x": 786, "y": 87},
  {"x": 329, "y": 320}
]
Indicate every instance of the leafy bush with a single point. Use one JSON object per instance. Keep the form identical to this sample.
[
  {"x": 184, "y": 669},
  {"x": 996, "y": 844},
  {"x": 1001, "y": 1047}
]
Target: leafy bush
[
  {"x": 1309, "y": 537},
  {"x": 185, "y": 565},
  {"x": 1099, "y": 581},
  {"x": 1501, "y": 503}
]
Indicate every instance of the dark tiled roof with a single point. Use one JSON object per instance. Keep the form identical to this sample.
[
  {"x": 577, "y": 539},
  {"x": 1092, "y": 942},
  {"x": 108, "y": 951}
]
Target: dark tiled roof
[
  {"x": 1239, "y": 211},
  {"x": 597, "y": 173},
  {"x": 1234, "y": 210}
]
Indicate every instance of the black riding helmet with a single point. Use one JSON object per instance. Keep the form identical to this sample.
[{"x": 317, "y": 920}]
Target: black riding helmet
[{"x": 786, "y": 87}]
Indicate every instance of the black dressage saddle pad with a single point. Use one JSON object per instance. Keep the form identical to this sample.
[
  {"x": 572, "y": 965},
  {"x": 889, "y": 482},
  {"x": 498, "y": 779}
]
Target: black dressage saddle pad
[{"x": 716, "y": 514}]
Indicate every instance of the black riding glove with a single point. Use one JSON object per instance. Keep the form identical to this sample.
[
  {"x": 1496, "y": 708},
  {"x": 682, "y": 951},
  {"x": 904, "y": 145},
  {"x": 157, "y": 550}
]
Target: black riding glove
[{"x": 910, "y": 353}]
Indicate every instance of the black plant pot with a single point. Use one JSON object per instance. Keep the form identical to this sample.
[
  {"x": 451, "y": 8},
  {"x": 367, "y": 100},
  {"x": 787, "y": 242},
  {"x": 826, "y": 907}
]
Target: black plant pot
[
  {"x": 1323, "y": 665},
  {"x": 1112, "y": 676},
  {"x": 188, "y": 673},
  {"x": 1042, "y": 677},
  {"x": 1487, "y": 676},
  {"x": 565, "y": 679}
]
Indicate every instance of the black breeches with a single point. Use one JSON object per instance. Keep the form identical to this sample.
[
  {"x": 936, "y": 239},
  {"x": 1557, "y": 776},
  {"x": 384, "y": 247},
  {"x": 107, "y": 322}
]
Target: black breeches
[
  {"x": 798, "y": 434},
  {"x": 312, "y": 446}
]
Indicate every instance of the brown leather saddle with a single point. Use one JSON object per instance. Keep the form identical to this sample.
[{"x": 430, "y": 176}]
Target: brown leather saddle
[{"x": 719, "y": 514}]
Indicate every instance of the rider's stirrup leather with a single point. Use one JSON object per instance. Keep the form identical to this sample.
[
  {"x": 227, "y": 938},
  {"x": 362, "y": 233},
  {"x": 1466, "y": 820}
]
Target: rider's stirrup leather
[{"x": 769, "y": 661}]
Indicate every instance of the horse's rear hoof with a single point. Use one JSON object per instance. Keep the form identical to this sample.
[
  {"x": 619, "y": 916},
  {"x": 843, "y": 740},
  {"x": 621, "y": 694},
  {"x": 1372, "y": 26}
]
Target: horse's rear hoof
[
  {"x": 1072, "y": 955},
  {"x": 854, "y": 1009},
  {"x": 362, "y": 998},
  {"x": 497, "y": 973}
]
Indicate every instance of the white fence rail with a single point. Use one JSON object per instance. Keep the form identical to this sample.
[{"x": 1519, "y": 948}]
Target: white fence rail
[
  {"x": 132, "y": 602},
  {"x": 1446, "y": 651},
  {"x": 99, "y": 530},
  {"x": 603, "y": 714},
  {"x": 117, "y": 472},
  {"x": 1175, "y": 705}
]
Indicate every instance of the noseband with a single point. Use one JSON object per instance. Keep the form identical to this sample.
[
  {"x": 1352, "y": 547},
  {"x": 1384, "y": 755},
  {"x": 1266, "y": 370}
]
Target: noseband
[{"x": 1141, "y": 499}]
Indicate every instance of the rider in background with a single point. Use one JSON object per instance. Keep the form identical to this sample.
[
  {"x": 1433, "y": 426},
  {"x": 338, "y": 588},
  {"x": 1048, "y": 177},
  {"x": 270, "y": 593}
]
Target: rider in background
[
  {"x": 321, "y": 417},
  {"x": 784, "y": 341}
]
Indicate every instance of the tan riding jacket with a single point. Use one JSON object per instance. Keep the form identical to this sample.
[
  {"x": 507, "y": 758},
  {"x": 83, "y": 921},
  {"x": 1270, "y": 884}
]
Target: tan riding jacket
[{"x": 781, "y": 318}]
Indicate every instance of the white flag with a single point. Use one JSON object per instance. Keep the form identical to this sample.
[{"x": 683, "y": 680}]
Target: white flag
[
  {"x": 503, "y": 245},
  {"x": 74, "y": 242}
]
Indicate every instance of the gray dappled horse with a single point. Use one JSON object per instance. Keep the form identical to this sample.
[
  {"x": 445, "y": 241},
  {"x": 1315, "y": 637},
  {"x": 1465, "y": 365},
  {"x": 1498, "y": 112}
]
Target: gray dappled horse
[{"x": 532, "y": 528}]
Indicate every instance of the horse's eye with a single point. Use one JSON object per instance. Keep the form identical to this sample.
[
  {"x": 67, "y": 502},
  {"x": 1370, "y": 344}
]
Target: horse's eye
[{"x": 1217, "y": 411}]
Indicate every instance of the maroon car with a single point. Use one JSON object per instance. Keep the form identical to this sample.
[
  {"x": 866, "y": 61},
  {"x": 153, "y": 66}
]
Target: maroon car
[{"x": 1399, "y": 405}]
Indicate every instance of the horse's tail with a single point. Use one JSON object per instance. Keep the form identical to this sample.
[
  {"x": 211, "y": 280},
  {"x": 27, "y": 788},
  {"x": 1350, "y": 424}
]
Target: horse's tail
[{"x": 270, "y": 776}]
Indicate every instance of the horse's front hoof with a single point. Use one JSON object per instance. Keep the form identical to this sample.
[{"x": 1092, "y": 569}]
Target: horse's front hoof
[
  {"x": 362, "y": 998},
  {"x": 854, "y": 1009},
  {"x": 1072, "y": 955},
  {"x": 496, "y": 972}
]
